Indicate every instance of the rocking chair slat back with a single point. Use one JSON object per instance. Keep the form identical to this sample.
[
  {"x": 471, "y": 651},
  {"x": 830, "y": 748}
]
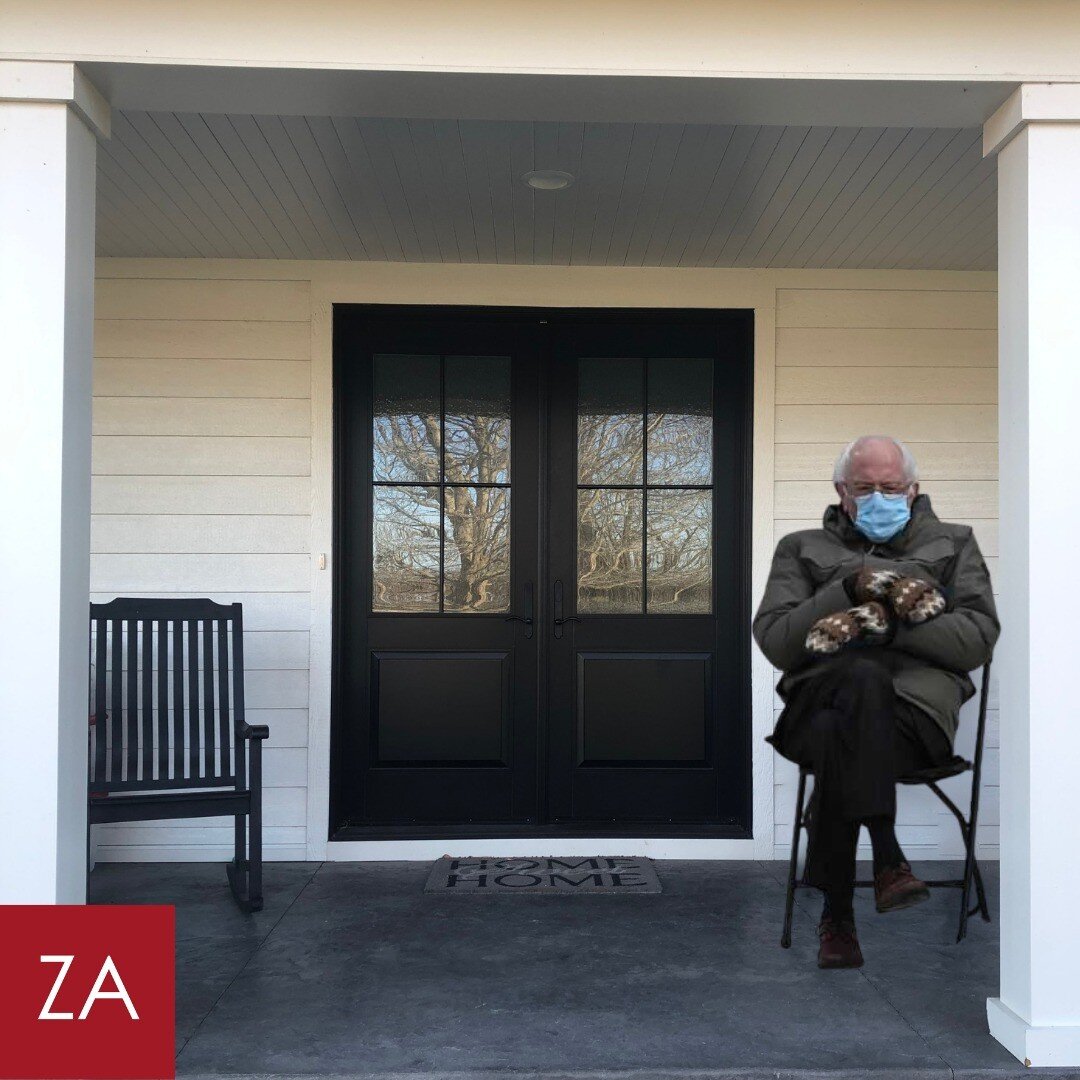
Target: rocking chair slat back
[{"x": 144, "y": 738}]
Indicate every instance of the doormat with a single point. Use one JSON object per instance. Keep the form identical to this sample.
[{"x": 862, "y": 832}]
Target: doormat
[{"x": 486, "y": 877}]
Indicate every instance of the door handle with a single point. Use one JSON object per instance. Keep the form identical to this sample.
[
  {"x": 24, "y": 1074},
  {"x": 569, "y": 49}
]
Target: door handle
[
  {"x": 527, "y": 618},
  {"x": 557, "y": 609}
]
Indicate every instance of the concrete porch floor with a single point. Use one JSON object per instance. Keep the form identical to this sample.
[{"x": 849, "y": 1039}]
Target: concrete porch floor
[{"x": 351, "y": 971}]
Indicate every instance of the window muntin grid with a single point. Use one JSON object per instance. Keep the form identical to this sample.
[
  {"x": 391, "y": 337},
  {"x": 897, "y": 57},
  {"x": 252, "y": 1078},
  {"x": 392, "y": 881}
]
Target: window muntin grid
[
  {"x": 644, "y": 486},
  {"x": 441, "y": 484}
]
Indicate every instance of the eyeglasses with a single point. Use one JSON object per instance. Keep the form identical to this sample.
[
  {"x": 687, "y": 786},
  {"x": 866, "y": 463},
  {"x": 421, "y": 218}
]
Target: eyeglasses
[{"x": 859, "y": 489}]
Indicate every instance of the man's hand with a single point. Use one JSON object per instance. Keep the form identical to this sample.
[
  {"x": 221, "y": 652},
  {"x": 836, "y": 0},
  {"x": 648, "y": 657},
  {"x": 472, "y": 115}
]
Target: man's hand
[
  {"x": 867, "y": 623},
  {"x": 912, "y": 599},
  {"x": 869, "y": 584},
  {"x": 916, "y": 601}
]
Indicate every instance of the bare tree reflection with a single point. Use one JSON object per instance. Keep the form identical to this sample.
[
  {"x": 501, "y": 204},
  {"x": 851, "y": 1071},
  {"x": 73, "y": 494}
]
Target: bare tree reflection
[
  {"x": 627, "y": 534},
  {"x": 680, "y": 551},
  {"x": 609, "y": 551},
  {"x": 477, "y": 549},
  {"x": 405, "y": 553},
  {"x": 664, "y": 530},
  {"x": 408, "y": 429}
]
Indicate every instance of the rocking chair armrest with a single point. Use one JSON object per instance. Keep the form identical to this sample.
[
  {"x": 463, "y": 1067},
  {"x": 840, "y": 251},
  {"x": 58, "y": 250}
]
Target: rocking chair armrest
[{"x": 256, "y": 731}]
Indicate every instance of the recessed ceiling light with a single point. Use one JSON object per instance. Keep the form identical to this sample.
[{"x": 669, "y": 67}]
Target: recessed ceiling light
[{"x": 548, "y": 179}]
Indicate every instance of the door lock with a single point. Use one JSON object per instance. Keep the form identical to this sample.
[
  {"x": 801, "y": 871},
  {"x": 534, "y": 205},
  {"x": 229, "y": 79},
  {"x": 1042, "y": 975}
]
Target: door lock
[
  {"x": 527, "y": 617},
  {"x": 559, "y": 620}
]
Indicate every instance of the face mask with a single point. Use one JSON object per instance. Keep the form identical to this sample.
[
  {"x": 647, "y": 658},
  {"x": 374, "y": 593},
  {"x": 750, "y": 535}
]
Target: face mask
[{"x": 880, "y": 517}]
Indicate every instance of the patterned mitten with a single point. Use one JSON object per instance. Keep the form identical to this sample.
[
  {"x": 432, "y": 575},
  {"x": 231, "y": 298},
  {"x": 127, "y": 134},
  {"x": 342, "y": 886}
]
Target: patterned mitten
[
  {"x": 870, "y": 584},
  {"x": 831, "y": 633},
  {"x": 867, "y": 622},
  {"x": 915, "y": 601},
  {"x": 874, "y": 622}
]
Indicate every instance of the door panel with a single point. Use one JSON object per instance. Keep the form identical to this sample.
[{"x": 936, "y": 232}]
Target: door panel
[
  {"x": 449, "y": 708},
  {"x": 437, "y": 493},
  {"x": 620, "y": 696},
  {"x": 541, "y": 619},
  {"x": 647, "y": 704}
]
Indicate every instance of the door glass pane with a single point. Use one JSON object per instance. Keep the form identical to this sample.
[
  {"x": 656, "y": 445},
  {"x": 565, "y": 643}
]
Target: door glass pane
[
  {"x": 679, "y": 551},
  {"x": 478, "y": 419},
  {"x": 477, "y": 553},
  {"x": 680, "y": 430},
  {"x": 611, "y": 406},
  {"x": 609, "y": 551},
  {"x": 406, "y": 418},
  {"x": 405, "y": 549}
]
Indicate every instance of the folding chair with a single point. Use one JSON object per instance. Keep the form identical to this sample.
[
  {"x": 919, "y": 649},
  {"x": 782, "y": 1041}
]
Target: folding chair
[{"x": 931, "y": 778}]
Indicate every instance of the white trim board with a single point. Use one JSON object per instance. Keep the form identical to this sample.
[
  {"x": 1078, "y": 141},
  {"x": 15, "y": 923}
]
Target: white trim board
[
  {"x": 576, "y": 847},
  {"x": 563, "y": 288},
  {"x": 1037, "y": 1046}
]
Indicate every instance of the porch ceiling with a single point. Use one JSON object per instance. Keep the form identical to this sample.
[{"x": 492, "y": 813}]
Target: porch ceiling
[{"x": 646, "y": 194}]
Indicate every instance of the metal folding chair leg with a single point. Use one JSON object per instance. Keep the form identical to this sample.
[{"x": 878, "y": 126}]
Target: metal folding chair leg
[
  {"x": 971, "y": 865},
  {"x": 793, "y": 864},
  {"x": 971, "y": 874},
  {"x": 980, "y": 894}
]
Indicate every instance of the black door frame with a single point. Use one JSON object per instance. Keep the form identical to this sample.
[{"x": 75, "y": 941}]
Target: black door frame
[{"x": 740, "y": 322}]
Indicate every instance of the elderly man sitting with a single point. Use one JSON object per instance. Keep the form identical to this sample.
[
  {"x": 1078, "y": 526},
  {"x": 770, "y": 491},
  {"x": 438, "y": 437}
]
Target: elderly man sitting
[{"x": 875, "y": 619}]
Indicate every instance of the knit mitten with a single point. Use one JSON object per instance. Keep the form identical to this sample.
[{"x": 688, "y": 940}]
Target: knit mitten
[
  {"x": 831, "y": 633},
  {"x": 915, "y": 601},
  {"x": 872, "y": 584},
  {"x": 866, "y": 622},
  {"x": 875, "y": 622}
]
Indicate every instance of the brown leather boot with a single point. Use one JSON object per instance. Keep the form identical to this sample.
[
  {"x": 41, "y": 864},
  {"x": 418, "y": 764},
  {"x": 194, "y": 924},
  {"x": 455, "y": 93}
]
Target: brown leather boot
[
  {"x": 839, "y": 946},
  {"x": 896, "y": 887}
]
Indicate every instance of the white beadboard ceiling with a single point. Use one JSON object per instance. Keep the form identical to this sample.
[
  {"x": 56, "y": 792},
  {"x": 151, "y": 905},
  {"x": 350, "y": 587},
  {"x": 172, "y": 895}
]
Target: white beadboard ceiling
[{"x": 331, "y": 187}]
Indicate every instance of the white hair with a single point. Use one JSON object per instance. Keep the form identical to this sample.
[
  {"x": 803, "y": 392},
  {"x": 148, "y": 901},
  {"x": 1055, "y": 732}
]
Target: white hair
[{"x": 843, "y": 462}]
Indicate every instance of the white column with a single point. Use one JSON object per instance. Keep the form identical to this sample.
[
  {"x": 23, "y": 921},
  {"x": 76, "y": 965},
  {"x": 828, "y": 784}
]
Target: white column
[
  {"x": 1036, "y": 135},
  {"x": 50, "y": 118}
]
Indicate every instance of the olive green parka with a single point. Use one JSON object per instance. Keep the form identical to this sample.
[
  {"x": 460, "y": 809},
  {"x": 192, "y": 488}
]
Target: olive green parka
[{"x": 931, "y": 661}]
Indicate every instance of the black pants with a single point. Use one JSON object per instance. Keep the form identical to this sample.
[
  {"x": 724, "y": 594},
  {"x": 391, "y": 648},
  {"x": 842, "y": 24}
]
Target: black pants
[{"x": 848, "y": 726}]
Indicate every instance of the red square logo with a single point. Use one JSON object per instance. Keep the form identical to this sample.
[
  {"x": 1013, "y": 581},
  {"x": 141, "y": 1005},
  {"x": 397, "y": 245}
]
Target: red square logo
[{"x": 88, "y": 993}]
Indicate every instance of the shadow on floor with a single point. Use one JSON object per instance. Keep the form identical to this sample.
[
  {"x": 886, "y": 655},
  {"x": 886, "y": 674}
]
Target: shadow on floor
[{"x": 351, "y": 970}]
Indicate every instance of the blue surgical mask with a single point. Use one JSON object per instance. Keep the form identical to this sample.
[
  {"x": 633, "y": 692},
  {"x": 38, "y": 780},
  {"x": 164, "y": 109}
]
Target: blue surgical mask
[{"x": 880, "y": 517}]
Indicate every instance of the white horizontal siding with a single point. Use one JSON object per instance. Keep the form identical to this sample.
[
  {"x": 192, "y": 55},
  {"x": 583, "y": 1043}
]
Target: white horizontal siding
[
  {"x": 923, "y": 423},
  {"x": 209, "y": 534},
  {"x": 201, "y": 487},
  {"x": 194, "y": 338},
  {"x": 139, "y": 574},
  {"x": 202, "y": 460},
  {"x": 151, "y": 376},
  {"x": 133, "y": 494},
  {"x": 159, "y": 416},
  {"x": 884, "y": 347},
  {"x": 202, "y": 300},
  {"x": 878, "y": 309},
  {"x": 189, "y": 455},
  {"x": 919, "y": 364},
  {"x": 850, "y": 385}
]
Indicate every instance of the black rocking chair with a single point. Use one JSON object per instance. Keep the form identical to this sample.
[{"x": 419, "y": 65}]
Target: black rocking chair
[
  {"x": 168, "y": 738},
  {"x": 931, "y": 778}
]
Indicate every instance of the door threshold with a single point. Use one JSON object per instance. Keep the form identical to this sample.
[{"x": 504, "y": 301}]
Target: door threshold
[
  {"x": 537, "y": 846},
  {"x": 599, "y": 830}
]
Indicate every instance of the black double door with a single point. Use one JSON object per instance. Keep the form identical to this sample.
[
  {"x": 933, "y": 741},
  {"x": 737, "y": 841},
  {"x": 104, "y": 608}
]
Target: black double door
[{"x": 541, "y": 572}]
